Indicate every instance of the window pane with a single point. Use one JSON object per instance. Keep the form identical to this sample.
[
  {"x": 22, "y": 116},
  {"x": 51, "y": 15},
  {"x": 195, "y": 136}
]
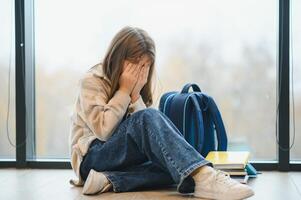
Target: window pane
[
  {"x": 296, "y": 47},
  {"x": 7, "y": 59},
  {"x": 227, "y": 47}
]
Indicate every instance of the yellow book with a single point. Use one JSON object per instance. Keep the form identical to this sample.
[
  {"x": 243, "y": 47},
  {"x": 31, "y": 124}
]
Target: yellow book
[
  {"x": 228, "y": 159},
  {"x": 236, "y": 172}
]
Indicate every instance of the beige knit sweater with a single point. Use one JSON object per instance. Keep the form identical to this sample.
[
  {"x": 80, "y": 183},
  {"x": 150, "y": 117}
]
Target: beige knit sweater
[{"x": 95, "y": 116}]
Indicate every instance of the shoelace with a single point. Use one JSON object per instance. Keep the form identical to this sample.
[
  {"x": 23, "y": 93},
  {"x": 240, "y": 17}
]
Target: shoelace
[{"x": 224, "y": 177}]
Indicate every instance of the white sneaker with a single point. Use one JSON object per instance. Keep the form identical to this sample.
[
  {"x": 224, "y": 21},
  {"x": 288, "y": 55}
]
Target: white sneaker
[
  {"x": 96, "y": 182},
  {"x": 217, "y": 184}
]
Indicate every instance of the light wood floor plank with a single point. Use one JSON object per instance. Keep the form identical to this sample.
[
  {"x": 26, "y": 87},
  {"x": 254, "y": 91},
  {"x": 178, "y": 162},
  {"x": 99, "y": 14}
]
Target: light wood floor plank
[{"x": 44, "y": 184}]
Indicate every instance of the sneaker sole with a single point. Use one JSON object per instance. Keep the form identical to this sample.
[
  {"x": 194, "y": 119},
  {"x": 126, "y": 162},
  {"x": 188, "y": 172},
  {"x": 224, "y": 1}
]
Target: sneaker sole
[{"x": 208, "y": 195}]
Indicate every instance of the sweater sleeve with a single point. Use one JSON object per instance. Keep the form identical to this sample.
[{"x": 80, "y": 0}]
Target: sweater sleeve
[
  {"x": 102, "y": 115},
  {"x": 137, "y": 105}
]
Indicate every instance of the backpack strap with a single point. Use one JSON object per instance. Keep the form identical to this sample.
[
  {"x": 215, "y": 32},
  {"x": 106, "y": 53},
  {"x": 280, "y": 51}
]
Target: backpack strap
[
  {"x": 211, "y": 142},
  {"x": 199, "y": 124},
  {"x": 199, "y": 137},
  {"x": 219, "y": 125}
]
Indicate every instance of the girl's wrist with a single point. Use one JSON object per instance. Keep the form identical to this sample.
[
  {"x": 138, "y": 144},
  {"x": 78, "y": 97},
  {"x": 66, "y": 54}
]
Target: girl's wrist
[
  {"x": 135, "y": 98},
  {"x": 124, "y": 90}
]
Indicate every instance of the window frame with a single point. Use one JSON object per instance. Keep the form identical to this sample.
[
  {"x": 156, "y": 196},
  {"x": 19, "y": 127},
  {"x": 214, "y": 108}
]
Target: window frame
[{"x": 25, "y": 94}]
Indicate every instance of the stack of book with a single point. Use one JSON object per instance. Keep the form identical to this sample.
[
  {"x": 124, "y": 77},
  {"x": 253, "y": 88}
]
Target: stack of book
[{"x": 233, "y": 162}]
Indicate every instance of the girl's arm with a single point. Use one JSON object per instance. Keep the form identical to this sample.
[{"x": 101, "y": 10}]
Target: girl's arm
[{"x": 101, "y": 114}]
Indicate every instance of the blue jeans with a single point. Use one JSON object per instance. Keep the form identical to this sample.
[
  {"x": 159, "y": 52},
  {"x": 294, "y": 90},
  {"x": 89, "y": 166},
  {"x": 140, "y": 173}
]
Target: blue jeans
[{"x": 145, "y": 150}]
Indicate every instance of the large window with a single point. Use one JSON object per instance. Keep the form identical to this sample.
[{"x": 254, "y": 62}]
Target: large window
[
  {"x": 7, "y": 77},
  {"x": 296, "y": 64},
  {"x": 227, "y": 47}
]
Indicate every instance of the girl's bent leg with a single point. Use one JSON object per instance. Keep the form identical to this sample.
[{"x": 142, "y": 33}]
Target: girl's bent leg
[
  {"x": 159, "y": 139},
  {"x": 123, "y": 165},
  {"x": 137, "y": 177},
  {"x": 147, "y": 134}
]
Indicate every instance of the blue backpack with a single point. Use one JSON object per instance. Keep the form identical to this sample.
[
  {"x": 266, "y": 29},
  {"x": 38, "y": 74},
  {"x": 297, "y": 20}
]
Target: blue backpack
[{"x": 197, "y": 117}]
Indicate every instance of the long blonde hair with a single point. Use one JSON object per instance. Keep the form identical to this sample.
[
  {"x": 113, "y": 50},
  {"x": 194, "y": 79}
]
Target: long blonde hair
[{"x": 129, "y": 44}]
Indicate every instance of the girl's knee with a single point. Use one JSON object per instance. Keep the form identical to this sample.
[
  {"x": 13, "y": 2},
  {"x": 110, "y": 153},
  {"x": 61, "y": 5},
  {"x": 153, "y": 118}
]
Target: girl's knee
[
  {"x": 147, "y": 115},
  {"x": 149, "y": 112}
]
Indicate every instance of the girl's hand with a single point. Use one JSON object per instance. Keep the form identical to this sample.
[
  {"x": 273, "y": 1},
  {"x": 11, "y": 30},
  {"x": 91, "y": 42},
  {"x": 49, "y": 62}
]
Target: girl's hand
[
  {"x": 129, "y": 77},
  {"x": 142, "y": 80}
]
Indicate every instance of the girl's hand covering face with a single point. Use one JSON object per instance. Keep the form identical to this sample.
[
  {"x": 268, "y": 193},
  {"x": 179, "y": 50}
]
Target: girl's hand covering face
[
  {"x": 144, "y": 66},
  {"x": 128, "y": 77}
]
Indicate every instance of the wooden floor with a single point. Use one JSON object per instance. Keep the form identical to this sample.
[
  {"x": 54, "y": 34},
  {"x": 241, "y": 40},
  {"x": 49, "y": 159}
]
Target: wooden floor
[{"x": 47, "y": 184}]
